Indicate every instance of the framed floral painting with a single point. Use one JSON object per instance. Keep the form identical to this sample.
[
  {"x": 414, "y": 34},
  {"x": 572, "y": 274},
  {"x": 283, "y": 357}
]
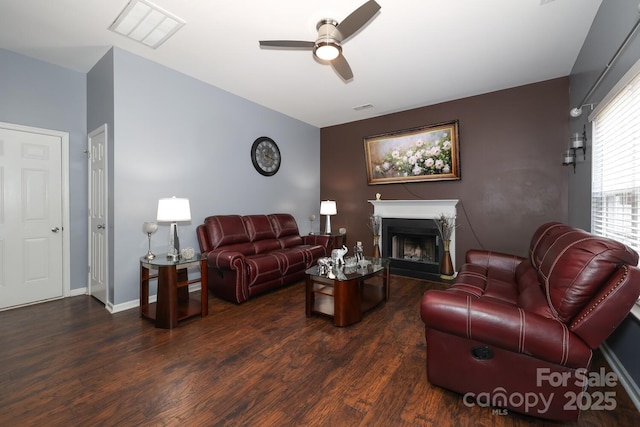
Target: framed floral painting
[{"x": 427, "y": 153}]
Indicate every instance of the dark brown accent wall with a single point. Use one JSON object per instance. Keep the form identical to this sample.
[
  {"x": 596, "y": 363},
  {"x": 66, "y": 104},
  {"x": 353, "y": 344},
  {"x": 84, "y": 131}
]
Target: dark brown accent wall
[{"x": 510, "y": 156}]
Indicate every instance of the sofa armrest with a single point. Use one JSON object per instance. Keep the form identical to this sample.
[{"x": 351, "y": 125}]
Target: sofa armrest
[
  {"x": 226, "y": 260},
  {"x": 504, "y": 326},
  {"x": 490, "y": 259},
  {"x": 318, "y": 239}
]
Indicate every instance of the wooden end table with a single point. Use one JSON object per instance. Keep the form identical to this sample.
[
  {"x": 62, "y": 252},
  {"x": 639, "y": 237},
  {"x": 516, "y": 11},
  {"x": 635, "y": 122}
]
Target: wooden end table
[
  {"x": 173, "y": 301},
  {"x": 351, "y": 291}
]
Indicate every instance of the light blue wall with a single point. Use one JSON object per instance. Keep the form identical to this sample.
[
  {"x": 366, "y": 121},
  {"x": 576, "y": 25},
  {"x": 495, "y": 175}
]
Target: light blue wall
[
  {"x": 613, "y": 22},
  {"x": 177, "y": 136},
  {"x": 38, "y": 94},
  {"x": 169, "y": 135}
]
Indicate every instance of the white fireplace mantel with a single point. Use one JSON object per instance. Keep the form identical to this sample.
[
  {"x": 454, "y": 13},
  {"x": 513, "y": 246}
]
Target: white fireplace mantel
[{"x": 418, "y": 209}]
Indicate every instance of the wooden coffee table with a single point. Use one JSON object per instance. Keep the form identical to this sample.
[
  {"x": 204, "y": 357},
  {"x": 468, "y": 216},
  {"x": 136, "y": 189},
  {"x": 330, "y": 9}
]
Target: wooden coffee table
[{"x": 349, "y": 292}]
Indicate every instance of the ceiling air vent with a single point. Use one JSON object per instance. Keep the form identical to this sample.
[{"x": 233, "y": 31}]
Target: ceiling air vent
[{"x": 146, "y": 23}]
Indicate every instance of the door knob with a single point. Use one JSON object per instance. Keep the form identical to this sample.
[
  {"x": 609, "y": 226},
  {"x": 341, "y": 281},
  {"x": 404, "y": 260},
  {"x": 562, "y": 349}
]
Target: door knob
[
  {"x": 55, "y": 229},
  {"x": 100, "y": 226}
]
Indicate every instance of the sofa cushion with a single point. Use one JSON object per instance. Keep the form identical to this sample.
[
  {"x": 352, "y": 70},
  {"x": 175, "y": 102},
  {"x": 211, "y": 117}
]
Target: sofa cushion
[
  {"x": 225, "y": 230},
  {"x": 531, "y": 295},
  {"x": 487, "y": 282},
  {"x": 291, "y": 259},
  {"x": 258, "y": 227},
  {"x": 290, "y": 241},
  {"x": 284, "y": 225},
  {"x": 268, "y": 245},
  {"x": 313, "y": 253}
]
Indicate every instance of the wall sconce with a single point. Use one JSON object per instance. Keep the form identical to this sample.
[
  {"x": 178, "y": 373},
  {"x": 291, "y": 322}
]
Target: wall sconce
[
  {"x": 328, "y": 208},
  {"x": 578, "y": 141},
  {"x": 569, "y": 158}
]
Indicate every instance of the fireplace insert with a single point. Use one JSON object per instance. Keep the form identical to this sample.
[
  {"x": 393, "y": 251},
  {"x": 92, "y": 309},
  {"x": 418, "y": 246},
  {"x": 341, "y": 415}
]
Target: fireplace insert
[{"x": 413, "y": 246}]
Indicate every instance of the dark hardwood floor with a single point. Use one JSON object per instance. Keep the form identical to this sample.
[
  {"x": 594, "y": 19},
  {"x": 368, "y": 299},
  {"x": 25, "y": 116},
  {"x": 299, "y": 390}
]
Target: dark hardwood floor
[{"x": 263, "y": 363}]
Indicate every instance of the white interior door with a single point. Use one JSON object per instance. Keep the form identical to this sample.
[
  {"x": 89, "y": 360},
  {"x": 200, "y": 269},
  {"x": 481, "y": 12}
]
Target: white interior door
[
  {"x": 98, "y": 214},
  {"x": 31, "y": 227}
]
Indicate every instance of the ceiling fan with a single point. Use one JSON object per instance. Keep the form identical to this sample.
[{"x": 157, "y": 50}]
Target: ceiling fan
[{"x": 328, "y": 45}]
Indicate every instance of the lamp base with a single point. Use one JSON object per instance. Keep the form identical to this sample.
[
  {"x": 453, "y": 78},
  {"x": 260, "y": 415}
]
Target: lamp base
[
  {"x": 327, "y": 225},
  {"x": 149, "y": 255},
  {"x": 173, "y": 257},
  {"x": 174, "y": 243}
]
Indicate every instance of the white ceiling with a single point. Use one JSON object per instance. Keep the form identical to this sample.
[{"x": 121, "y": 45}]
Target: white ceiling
[{"x": 412, "y": 53}]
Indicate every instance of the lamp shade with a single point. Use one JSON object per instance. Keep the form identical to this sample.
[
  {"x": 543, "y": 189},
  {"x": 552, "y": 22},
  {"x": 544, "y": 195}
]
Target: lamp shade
[
  {"x": 173, "y": 209},
  {"x": 149, "y": 227},
  {"x": 328, "y": 207}
]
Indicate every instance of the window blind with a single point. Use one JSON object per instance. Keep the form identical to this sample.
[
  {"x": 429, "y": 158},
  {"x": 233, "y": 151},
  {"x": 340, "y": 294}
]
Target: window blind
[
  {"x": 615, "y": 190},
  {"x": 615, "y": 201}
]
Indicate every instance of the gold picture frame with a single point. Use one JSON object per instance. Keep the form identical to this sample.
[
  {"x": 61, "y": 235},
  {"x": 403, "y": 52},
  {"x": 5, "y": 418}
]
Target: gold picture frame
[{"x": 426, "y": 153}]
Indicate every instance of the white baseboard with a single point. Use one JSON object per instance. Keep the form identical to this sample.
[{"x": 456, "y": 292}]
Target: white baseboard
[
  {"x": 626, "y": 380},
  {"x": 136, "y": 303},
  {"x": 127, "y": 305},
  {"x": 76, "y": 292}
]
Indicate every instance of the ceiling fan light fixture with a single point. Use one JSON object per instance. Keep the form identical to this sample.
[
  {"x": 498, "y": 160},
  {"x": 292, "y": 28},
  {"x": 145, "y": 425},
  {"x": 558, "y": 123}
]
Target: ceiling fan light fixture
[{"x": 327, "y": 50}]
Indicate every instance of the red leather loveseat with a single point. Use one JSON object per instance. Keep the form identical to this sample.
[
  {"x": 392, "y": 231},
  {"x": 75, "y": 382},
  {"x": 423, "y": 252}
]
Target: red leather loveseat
[
  {"x": 253, "y": 254},
  {"x": 518, "y": 333}
]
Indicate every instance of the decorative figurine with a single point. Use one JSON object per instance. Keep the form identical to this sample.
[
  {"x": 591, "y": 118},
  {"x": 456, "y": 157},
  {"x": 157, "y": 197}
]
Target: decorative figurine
[
  {"x": 337, "y": 255},
  {"x": 359, "y": 252},
  {"x": 188, "y": 253},
  {"x": 325, "y": 264}
]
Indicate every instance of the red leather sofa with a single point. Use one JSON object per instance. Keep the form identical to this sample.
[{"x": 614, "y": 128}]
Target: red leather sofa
[
  {"x": 518, "y": 333},
  {"x": 253, "y": 254}
]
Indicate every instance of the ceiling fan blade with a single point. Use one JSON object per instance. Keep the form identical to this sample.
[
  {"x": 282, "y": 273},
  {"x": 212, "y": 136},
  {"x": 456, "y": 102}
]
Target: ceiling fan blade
[
  {"x": 357, "y": 19},
  {"x": 342, "y": 67},
  {"x": 295, "y": 44}
]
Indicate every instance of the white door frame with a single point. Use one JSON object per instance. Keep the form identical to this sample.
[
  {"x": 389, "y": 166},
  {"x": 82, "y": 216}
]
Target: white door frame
[{"x": 66, "y": 241}]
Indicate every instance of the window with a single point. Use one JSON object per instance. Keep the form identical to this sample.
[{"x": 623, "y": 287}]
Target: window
[{"x": 615, "y": 191}]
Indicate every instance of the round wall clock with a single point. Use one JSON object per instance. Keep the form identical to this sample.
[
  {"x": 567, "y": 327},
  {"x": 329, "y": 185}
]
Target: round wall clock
[{"x": 265, "y": 156}]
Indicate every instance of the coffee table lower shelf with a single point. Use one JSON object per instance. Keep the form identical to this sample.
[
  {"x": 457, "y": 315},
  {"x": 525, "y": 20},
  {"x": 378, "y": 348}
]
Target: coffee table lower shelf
[{"x": 346, "y": 299}]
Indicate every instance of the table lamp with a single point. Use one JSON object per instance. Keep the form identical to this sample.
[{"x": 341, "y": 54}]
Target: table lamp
[
  {"x": 149, "y": 228},
  {"x": 173, "y": 210},
  {"x": 328, "y": 208}
]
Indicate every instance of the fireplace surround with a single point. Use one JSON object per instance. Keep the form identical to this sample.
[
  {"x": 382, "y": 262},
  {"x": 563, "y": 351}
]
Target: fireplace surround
[{"x": 410, "y": 225}]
